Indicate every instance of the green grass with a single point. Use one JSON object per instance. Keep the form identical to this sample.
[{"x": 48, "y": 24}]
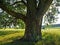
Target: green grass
[
  {"x": 11, "y": 37},
  {"x": 51, "y": 36}
]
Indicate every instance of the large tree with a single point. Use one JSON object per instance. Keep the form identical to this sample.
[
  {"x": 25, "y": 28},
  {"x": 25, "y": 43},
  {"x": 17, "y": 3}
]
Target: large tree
[{"x": 33, "y": 17}]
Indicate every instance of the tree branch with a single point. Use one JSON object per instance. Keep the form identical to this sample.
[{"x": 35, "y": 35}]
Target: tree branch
[
  {"x": 11, "y": 12},
  {"x": 43, "y": 7},
  {"x": 20, "y": 2}
]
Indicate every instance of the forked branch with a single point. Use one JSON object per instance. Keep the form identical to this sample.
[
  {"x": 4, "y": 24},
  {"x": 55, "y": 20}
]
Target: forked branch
[{"x": 43, "y": 7}]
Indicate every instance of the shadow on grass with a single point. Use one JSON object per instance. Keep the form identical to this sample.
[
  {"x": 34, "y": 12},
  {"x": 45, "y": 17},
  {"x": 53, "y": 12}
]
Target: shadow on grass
[{"x": 18, "y": 42}]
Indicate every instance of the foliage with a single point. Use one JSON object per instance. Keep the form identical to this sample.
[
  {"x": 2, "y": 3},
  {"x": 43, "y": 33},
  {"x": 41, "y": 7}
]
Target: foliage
[
  {"x": 58, "y": 0},
  {"x": 52, "y": 13},
  {"x": 7, "y": 21},
  {"x": 49, "y": 18}
]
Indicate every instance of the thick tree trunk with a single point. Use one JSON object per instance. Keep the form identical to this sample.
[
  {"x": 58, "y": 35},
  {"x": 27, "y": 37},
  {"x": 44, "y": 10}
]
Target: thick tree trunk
[
  {"x": 33, "y": 30},
  {"x": 33, "y": 17}
]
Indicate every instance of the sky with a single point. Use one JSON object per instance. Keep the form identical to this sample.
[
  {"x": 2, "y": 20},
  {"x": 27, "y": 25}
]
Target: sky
[{"x": 58, "y": 20}]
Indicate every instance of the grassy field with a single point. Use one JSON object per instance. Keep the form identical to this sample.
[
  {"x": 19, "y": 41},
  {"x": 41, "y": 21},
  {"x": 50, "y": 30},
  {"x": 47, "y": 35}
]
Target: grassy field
[{"x": 11, "y": 37}]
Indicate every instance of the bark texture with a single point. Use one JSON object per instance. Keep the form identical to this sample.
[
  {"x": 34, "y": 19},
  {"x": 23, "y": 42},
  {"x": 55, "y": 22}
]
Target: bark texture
[{"x": 33, "y": 30}]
